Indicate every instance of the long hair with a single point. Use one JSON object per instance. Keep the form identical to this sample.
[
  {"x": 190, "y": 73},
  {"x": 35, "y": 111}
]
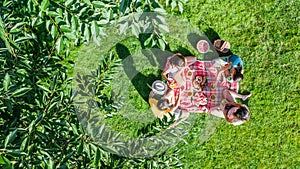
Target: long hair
[
  {"x": 238, "y": 74},
  {"x": 242, "y": 113},
  {"x": 178, "y": 60},
  {"x": 161, "y": 103}
]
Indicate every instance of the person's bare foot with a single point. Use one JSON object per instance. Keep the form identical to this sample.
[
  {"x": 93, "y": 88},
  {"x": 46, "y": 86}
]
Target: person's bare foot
[{"x": 246, "y": 97}]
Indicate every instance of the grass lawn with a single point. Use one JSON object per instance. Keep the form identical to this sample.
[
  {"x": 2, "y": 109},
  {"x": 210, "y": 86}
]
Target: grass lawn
[{"x": 266, "y": 35}]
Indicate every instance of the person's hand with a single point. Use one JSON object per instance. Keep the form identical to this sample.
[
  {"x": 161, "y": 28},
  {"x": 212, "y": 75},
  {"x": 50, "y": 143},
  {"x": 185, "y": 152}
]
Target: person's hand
[
  {"x": 225, "y": 84},
  {"x": 171, "y": 80}
]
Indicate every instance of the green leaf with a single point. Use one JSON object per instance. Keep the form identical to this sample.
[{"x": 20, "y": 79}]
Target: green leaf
[
  {"x": 45, "y": 4},
  {"x": 52, "y": 13},
  {"x": 135, "y": 29},
  {"x": 74, "y": 128},
  {"x": 70, "y": 36},
  {"x": 16, "y": 153},
  {"x": 6, "y": 82},
  {"x": 17, "y": 26},
  {"x": 147, "y": 41},
  {"x": 10, "y": 138},
  {"x": 87, "y": 33},
  {"x": 165, "y": 28},
  {"x": 180, "y": 6},
  {"x": 53, "y": 31},
  {"x": 3, "y": 37},
  {"x": 123, "y": 28},
  {"x": 65, "y": 28},
  {"x": 59, "y": 45},
  {"x": 173, "y": 5},
  {"x": 74, "y": 22},
  {"x": 4, "y": 160},
  {"x": 109, "y": 14},
  {"x": 80, "y": 147},
  {"x": 94, "y": 29},
  {"x": 123, "y": 6},
  {"x": 24, "y": 144},
  {"x": 160, "y": 10},
  {"x": 21, "y": 92},
  {"x": 68, "y": 3},
  {"x": 97, "y": 158},
  {"x": 21, "y": 39},
  {"x": 98, "y": 4},
  {"x": 162, "y": 44},
  {"x": 44, "y": 88}
]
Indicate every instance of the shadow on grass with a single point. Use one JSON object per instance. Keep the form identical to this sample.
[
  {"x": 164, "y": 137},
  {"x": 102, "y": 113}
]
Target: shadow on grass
[
  {"x": 195, "y": 38},
  {"x": 212, "y": 36},
  {"x": 139, "y": 80}
]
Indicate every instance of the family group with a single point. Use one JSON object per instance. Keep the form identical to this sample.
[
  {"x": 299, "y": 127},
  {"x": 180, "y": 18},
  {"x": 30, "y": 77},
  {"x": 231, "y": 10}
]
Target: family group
[{"x": 194, "y": 86}]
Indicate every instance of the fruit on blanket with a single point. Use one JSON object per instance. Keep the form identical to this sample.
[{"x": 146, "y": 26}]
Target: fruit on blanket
[{"x": 203, "y": 46}]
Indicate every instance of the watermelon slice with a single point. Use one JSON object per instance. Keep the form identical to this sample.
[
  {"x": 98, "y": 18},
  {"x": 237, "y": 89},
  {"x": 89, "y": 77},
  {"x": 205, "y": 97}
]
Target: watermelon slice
[{"x": 203, "y": 46}]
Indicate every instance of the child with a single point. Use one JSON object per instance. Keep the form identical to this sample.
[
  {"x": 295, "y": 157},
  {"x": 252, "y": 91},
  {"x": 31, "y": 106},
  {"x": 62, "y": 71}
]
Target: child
[
  {"x": 174, "y": 65},
  {"x": 234, "y": 113}
]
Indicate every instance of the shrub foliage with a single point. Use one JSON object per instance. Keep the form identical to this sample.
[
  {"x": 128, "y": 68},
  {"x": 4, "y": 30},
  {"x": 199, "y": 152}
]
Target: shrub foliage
[{"x": 38, "y": 124}]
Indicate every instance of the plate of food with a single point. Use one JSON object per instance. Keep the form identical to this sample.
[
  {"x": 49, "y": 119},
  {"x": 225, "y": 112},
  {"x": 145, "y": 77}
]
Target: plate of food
[{"x": 203, "y": 46}]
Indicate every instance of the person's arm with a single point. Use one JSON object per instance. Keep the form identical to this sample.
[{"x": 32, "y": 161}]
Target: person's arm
[
  {"x": 216, "y": 111},
  {"x": 164, "y": 75},
  {"x": 177, "y": 102},
  {"x": 238, "y": 122},
  {"x": 190, "y": 60},
  {"x": 220, "y": 74}
]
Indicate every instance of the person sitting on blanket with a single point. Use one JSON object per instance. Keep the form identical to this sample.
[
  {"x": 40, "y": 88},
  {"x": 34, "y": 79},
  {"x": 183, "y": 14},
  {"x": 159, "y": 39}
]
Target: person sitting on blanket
[
  {"x": 234, "y": 113},
  {"x": 169, "y": 102},
  {"x": 227, "y": 72},
  {"x": 174, "y": 67},
  {"x": 162, "y": 105}
]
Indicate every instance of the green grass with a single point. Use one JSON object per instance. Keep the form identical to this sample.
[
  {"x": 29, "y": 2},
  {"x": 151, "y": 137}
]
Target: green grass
[{"x": 266, "y": 35}]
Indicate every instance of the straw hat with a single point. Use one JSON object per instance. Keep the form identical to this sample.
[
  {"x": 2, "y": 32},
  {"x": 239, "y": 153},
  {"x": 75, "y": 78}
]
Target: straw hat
[
  {"x": 222, "y": 45},
  {"x": 156, "y": 111}
]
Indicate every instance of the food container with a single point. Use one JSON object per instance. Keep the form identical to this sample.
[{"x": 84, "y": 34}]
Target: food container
[{"x": 159, "y": 87}]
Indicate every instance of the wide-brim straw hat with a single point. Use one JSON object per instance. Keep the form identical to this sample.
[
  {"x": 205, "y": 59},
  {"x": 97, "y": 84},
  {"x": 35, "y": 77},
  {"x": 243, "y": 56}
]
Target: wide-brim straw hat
[{"x": 222, "y": 45}]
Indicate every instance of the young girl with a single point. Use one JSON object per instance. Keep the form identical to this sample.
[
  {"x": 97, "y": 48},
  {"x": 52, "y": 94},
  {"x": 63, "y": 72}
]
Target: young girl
[{"x": 234, "y": 113}]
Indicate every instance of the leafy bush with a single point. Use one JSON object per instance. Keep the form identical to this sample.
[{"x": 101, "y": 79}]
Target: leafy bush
[{"x": 38, "y": 124}]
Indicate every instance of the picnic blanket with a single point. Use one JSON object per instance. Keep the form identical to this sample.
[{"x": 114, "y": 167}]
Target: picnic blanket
[{"x": 194, "y": 100}]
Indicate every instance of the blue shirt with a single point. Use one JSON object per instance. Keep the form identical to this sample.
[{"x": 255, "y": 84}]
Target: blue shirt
[{"x": 236, "y": 61}]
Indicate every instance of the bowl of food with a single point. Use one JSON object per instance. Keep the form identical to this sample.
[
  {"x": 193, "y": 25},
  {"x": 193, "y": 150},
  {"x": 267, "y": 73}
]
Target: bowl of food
[
  {"x": 189, "y": 74},
  {"x": 159, "y": 87},
  {"x": 203, "y": 46}
]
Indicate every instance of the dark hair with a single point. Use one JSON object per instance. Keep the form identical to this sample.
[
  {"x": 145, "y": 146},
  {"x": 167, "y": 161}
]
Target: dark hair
[
  {"x": 242, "y": 113},
  {"x": 178, "y": 60},
  {"x": 238, "y": 73},
  {"x": 161, "y": 103}
]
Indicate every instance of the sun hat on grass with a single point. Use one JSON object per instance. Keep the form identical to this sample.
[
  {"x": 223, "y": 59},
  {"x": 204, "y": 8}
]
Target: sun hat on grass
[{"x": 222, "y": 45}]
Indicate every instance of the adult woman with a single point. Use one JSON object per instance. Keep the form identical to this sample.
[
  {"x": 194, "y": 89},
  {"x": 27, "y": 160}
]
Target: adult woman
[
  {"x": 234, "y": 113},
  {"x": 173, "y": 71}
]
